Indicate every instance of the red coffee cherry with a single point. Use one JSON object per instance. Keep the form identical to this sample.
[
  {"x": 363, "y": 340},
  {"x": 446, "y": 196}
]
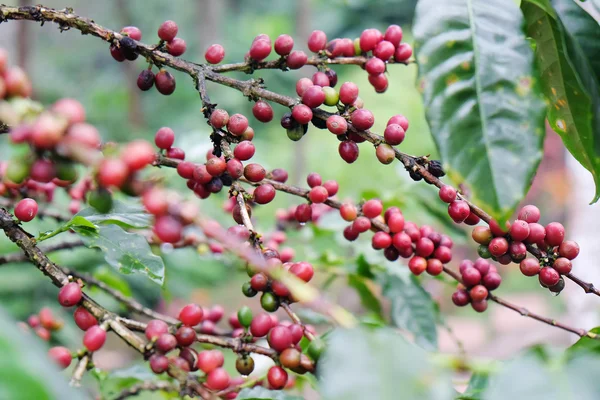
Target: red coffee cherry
[
  {"x": 318, "y": 194},
  {"x": 244, "y": 150},
  {"x": 112, "y": 172},
  {"x": 279, "y": 338},
  {"x": 362, "y": 119},
  {"x": 210, "y": 360},
  {"x": 320, "y": 79},
  {"x": 255, "y": 172},
  {"x": 332, "y": 187},
  {"x": 424, "y": 247},
  {"x": 219, "y": 379},
  {"x": 459, "y": 210},
  {"x": 185, "y": 336},
  {"x": 317, "y": 41},
  {"x": 191, "y": 315},
  {"x": 302, "y": 84},
  {"x": 214, "y": 54},
  {"x": 384, "y": 50},
  {"x": 461, "y": 298},
  {"x": 348, "y": 212},
  {"x": 277, "y": 377},
  {"x": 261, "y": 324},
  {"x": 260, "y": 50},
  {"x": 348, "y": 151},
  {"x": 394, "y": 134},
  {"x": 145, "y": 80},
  {"x": 259, "y": 282},
  {"x": 471, "y": 277},
  {"x": 61, "y": 356},
  {"x": 303, "y": 213},
  {"x": 165, "y": 82},
  {"x": 176, "y": 153},
  {"x": 348, "y": 93},
  {"x": 283, "y": 45},
  {"x": 375, "y": 66},
  {"x": 497, "y": 230},
  {"x": 116, "y": 53},
  {"x": 417, "y": 265},
  {"x": 399, "y": 119},
  {"x": 237, "y": 124},
  {"x": 279, "y": 175},
  {"x": 26, "y": 210},
  {"x": 478, "y": 293},
  {"x": 70, "y": 294},
  {"x": 164, "y": 138},
  {"x": 302, "y": 114},
  {"x": 379, "y": 82},
  {"x": 372, "y": 208},
  {"x": 434, "y": 267},
  {"x": 555, "y": 234},
  {"x": 158, "y": 363},
  {"x": 167, "y": 31},
  {"x": 479, "y": 306},
  {"x": 517, "y": 251},
  {"x": 529, "y": 213},
  {"x": 296, "y": 59},
  {"x": 568, "y": 249},
  {"x": 156, "y": 328},
  {"x": 396, "y": 222},
  {"x": 313, "y": 97},
  {"x": 447, "y": 193},
  {"x": 549, "y": 277},
  {"x": 350, "y": 234},
  {"x": 262, "y": 111},
  {"x": 369, "y": 39},
  {"x": 186, "y": 169},
  {"x": 443, "y": 253},
  {"x": 137, "y": 154},
  {"x": 166, "y": 342},
  {"x": 201, "y": 174},
  {"x": 264, "y": 194},
  {"x": 381, "y": 240},
  {"x": 393, "y": 34},
  {"x": 530, "y": 266},
  {"x": 94, "y": 338},
  {"x": 492, "y": 280},
  {"x": 562, "y": 265},
  {"x": 168, "y": 229},
  {"x": 83, "y": 319},
  {"x": 498, "y": 246},
  {"x": 519, "y": 230},
  {"x": 361, "y": 224},
  {"x": 337, "y": 125},
  {"x": 403, "y": 53},
  {"x": 176, "y": 47}
]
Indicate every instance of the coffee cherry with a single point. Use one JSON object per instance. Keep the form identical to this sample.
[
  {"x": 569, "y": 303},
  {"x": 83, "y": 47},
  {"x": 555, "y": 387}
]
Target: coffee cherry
[
  {"x": 176, "y": 47},
  {"x": 443, "y": 253},
  {"x": 337, "y": 125},
  {"x": 290, "y": 358},
  {"x": 403, "y": 53},
  {"x": 168, "y": 229},
  {"x": 255, "y": 172},
  {"x": 385, "y": 153},
  {"x": 158, "y": 363},
  {"x": 417, "y": 265},
  {"x": 283, "y": 45},
  {"x": 279, "y": 175},
  {"x": 260, "y": 326},
  {"x": 245, "y": 364},
  {"x": 348, "y": 150},
  {"x": 61, "y": 356},
  {"x": 384, "y": 50},
  {"x": 237, "y": 124},
  {"x": 375, "y": 66},
  {"x": 185, "y": 336},
  {"x": 517, "y": 251},
  {"x": 166, "y": 342},
  {"x": 303, "y": 213},
  {"x": 555, "y": 234},
  {"x": 70, "y": 294},
  {"x": 219, "y": 379},
  {"x": 317, "y": 41},
  {"x": 301, "y": 85},
  {"x": 167, "y": 31},
  {"x": 497, "y": 230},
  {"x": 529, "y": 213},
  {"x": 297, "y": 59},
  {"x": 399, "y": 120},
  {"x": 145, "y": 80},
  {"x": 116, "y": 53},
  {"x": 537, "y": 233},
  {"x": 548, "y": 277},
  {"x": 332, "y": 97},
  {"x": 498, "y": 246},
  {"x": 519, "y": 230},
  {"x": 362, "y": 119},
  {"x": 424, "y": 247},
  {"x": 277, "y": 377},
  {"x": 479, "y": 306},
  {"x": 481, "y": 234},
  {"x": 320, "y": 79},
  {"x": 155, "y": 328},
  {"x": 94, "y": 338},
  {"x": 369, "y": 39},
  {"x": 191, "y": 315},
  {"x": 562, "y": 265},
  {"x": 26, "y": 210},
  {"x": 434, "y": 267},
  {"x": 361, "y": 224},
  {"x": 314, "y": 179},
  {"x": 302, "y": 114},
  {"x": 348, "y": 93},
  {"x": 260, "y": 50},
  {"x": 530, "y": 266},
  {"x": 461, "y": 298},
  {"x": 164, "y": 138},
  {"x": 459, "y": 210},
  {"x": 393, "y": 34},
  {"x": 244, "y": 150},
  {"x": 568, "y": 249},
  {"x": 379, "y": 82},
  {"x": 176, "y": 153},
  {"x": 83, "y": 319},
  {"x": 262, "y": 111},
  {"x": 201, "y": 174},
  {"x": 247, "y": 290},
  {"x": 348, "y": 212},
  {"x": 244, "y": 314},
  {"x": 372, "y": 208},
  {"x": 471, "y": 276},
  {"x": 313, "y": 97},
  {"x": 447, "y": 193},
  {"x": 269, "y": 302},
  {"x": 332, "y": 187},
  {"x": 165, "y": 82},
  {"x": 128, "y": 48},
  {"x": 210, "y": 360},
  {"x": 478, "y": 293},
  {"x": 264, "y": 194},
  {"x": 279, "y": 338},
  {"x": 381, "y": 240},
  {"x": 394, "y": 135},
  {"x": 214, "y": 54}
]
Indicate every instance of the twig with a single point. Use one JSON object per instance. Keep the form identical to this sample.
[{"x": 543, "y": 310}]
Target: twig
[
  {"x": 80, "y": 369},
  {"x": 297, "y": 320},
  {"x": 152, "y": 386},
  {"x": 19, "y": 257}
]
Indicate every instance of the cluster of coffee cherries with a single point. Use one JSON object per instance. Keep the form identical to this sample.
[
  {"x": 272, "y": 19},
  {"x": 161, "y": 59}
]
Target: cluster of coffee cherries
[
  {"x": 14, "y": 82},
  {"x": 126, "y": 49},
  {"x": 510, "y": 244},
  {"x": 43, "y": 323},
  {"x": 479, "y": 278}
]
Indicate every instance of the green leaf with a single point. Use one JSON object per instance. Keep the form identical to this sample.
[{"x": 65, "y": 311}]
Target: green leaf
[
  {"x": 477, "y": 385},
  {"x": 585, "y": 345},
  {"x": 569, "y": 85},
  {"x": 483, "y": 102},
  {"x": 112, "y": 383},
  {"x": 363, "y": 268},
  {"x": 125, "y": 215},
  {"x": 260, "y": 393},
  {"x": 127, "y": 252},
  {"x": 367, "y": 297},
  {"x": 77, "y": 223},
  {"x": 112, "y": 279},
  {"x": 378, "y": 364},
  {"x": 412, "y": 309},
  {"x": 26, "y": 371}
]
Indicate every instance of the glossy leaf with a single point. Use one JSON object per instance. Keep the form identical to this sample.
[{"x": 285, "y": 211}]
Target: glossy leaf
[
  {"x": 477, "y": 385},
  {"x": 113, "y": 280},
  {"x": 483, "y": 101},
  {"x": 378, "y": 364},
  {"x": 127, "y": 252},
  {"x": 260, "y": 393},
  {"x": 364, "y": 288},
  {"x": 26, "y": 372},
  {"x": 412, "y": 309},
  {"x": 124, "y": 215},
  {"x": 569, "y": 85},
  {"x": 77, "y": 223},
  {"x": 585, "y": 345}
]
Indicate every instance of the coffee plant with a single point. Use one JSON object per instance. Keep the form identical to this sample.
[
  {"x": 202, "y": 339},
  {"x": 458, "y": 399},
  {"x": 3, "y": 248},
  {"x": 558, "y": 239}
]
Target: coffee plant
[{"x": 490, "y": 72}]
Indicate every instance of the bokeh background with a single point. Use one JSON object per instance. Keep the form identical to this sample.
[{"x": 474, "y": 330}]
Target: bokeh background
[{"x": 71, "y": 65}]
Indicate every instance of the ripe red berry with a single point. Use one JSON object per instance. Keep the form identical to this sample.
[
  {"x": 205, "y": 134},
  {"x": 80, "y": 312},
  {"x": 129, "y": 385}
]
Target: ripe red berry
[
  {"x": 320, "y": 79},
  {"x": 318, "y": 194},
  {"x": 210, "y": 360},
  {"x": 381, "y": 240},
  {"x": 417, "y": 265},
  {"x": 348, "y": 93},
  {"x": 459, "y": 210},
  {"x": 434, "y": 267},
  {"x": 262, "y": 111},
  {"x": 166, "y": 342},
  {"x": 375, "y": 66},
  {"x": 461, "y": 298},
  {"x": 255, "y": 172},
  {"x": 176, "y": 47},
  {"x": 369, "y": 39},
  {"x": 384, "y": 50},
  {"x": 361, "y": 224},
  {"x": 165, "y": 82},
  {"x": 94, "y": 338},
  {"x": 379, "y": 82},
  {"x": 283, "y": 45},
  {"x": 471, "y": 276},
  {"x": 158, "y": 363},
  {"x": 296, "y": 59},
  {"x": 492, "y": 280},
  {"x": 519, "y": 230},
  {"x": 394, "y": 134},
  {"x": 399, "y": 120},
  {"x": 116, "y": 53},
  {"x": 478, "y": 293},
  {"x": 317, "y": 41},
  {"x": 61, "y": 356},
  {"x": 260, "y": 50},
  {"x": 303, "y": 213},
  {"x": 537, "y": 233},
  {"x": 155, "y": 328},
  {"x": 562, "y": 265},
  {"x": 517, "y": 251},
  {"x": 498, "y": 246},
  {"x": 218, "y": 379},
  {"x": 568, "y": 249},
  {"x": 332, "y": 187},
  {"x": 26, "y": 210},
  {"x": 529, "y": 213},
  {"x": 555, "y": 234},
  {"x": 279, "y": 175},
  {"x": 277, "y": 377},
  {"x": 302, "y": 114},
  {"x": 348, "y": 212},
  {"x": 237, "y": 124},
  {"x": 549, "y": 277},
  {"x": 279, "y": 338},
  {"x": 191, "y": 315},
  {"x": 83, "y": 319},
  {"x": 185, "y": 336},
  {"x": 164, "y": 138},
  {"x": 302, "y": 84},
  {"x": 530, "y": 266},
  {"x": 244, "y": 150},
  {"x": 214, "y": 54},
  {"x": 264, "y": 194},
  {"x": 403, "y": 52},
  {"x": 348, "y": 150},
  {"x": 362, "y": 119},
  {"x": 443, "y": 253},
  {"x": 337, "y": 124},
  {"x": 479, "y": 306},
  {"x": 372, "y": 208},
  {"x": 261, "y": 324},
  {"x": 70, "y": 294},
  {"x": 447, "y": 194},
  {"x": 167, "y": 31},
  {"x": 176, "y": 153},
  {"x": 396, "y": 222},
  {"x": 393, "y": 34},
  {"x": 313, "y": 97},
  {"x": 424, "y": 247}
]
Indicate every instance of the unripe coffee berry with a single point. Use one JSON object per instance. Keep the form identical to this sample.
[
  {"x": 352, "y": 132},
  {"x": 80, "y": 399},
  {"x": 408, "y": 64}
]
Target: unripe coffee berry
[
  {"x": 385, "y": 153},
  {"x": 481, "y": 234}
]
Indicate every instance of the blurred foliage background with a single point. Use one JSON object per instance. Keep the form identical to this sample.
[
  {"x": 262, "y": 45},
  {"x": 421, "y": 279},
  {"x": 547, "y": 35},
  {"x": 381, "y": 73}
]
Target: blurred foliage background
[{"x": 70, "y": 65}]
